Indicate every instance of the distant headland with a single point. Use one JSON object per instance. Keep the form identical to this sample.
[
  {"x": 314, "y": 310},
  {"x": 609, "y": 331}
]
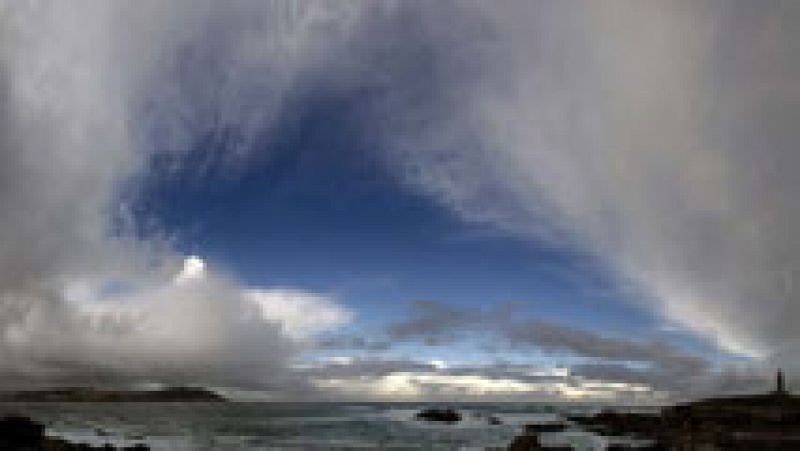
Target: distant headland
[{"x": 88, "y": 394}]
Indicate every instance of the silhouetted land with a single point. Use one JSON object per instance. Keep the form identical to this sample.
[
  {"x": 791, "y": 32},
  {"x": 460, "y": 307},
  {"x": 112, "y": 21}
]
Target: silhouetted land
[
  {"x": 20, "y": 433},
  {"x": 754, "y": 422},
  {"x": 439, "y": 415},
  {"x": 82, "y": 394}
]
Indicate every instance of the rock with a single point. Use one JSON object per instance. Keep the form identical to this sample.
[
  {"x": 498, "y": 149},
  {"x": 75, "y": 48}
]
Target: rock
[
  {"x": 23, "y": 434},
  {"x": 653, "y": 447},
  {"x": 525, "y": 443},
  {"x": 20, "y": 429},
  {"x": 537, "y": 428},
  {"x": 768, "y": 421},
  {"x": 138, "y": 447},
  {"x": 628, "y": 424},
  {"x": 531, "y": 442},
  {"x": 494, "y": 421},
  {"x": 439, "y": 415}
]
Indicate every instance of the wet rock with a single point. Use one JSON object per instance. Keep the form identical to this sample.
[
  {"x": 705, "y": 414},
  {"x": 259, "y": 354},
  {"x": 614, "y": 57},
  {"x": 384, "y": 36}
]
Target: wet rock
[
  {"x": 525, "y": 443},
  {"x": 537, "y": 428},
  {"x": 531, "y": 442},
  {"x": 494, "y": 421},
  {"x": 138, "y": 447},
  {"x": 627, "y": 424},
  {"x": 439, "y": 415},
  {"x": 20, "y": 433},
  {"x": 770, "y": 421}
]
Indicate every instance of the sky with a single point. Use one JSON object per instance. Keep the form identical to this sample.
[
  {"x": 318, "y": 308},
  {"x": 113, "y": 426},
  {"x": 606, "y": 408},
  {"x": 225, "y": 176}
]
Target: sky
[{"x": 402, "y": 200}]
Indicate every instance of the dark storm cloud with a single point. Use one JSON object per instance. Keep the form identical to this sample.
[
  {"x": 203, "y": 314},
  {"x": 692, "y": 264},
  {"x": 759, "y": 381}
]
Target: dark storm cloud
[
  {"x": 559, "y": 338},
  {"x": 436, "y": 323}
]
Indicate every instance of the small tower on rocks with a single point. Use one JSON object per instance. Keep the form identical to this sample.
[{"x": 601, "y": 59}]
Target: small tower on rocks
[{"x": 780, "y": 388}]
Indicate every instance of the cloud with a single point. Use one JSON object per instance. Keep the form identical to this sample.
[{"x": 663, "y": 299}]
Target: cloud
[
  {"x": 437, "y": 323},
  {"x": 605, "y": 357},
  {"x": 414, "y": 380},
  {"x": 351, "y": 342},
  {"x": 92, "y": 97},
  {"x": 301, "y": 314},
  {"x": 654, "y": 367},
  {"x": 98, "y": 100},
  {"x": 659, "y": 139},
  {"x": 204, "y": 329},
  {"x": 559, "y": 338}
]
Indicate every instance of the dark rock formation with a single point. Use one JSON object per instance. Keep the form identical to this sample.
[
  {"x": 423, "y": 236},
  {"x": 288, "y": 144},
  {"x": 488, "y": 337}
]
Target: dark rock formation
[
  {"x": 770, "y": 421},
  {"x": 20, "y": 433},
  {"x": 764, "y": 422},
  {"x": 538, "y": 428},
  {"x": 527, "y": 442},
  {"x": 652, "y": 447},
  {"x": 439, "y": 415},
  {"x": 609, "y": 422},
  {"x": 524, "y": 443}
]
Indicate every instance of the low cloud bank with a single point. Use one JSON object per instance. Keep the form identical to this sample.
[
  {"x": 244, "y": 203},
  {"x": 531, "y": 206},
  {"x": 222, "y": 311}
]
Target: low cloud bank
[
  {"x": 415, "y": 380},
  {"x": 651, "y": 368},
  {"x": 197, "y": 327}
]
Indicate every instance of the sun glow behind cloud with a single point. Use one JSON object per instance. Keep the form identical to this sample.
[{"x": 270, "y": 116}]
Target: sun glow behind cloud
[
  {"x": 438, "y": 384},
  {"x": 301, "y": 315}
]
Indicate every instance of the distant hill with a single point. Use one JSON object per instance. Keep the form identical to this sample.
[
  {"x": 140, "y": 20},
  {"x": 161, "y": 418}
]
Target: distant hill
[{"x": 83, "y": 394}]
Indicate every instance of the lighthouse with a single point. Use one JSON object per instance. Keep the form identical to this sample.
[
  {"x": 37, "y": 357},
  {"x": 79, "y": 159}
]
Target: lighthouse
[{"x": 780, "y": 388}]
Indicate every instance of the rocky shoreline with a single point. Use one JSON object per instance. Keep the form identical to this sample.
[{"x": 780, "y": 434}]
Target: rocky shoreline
[
  {"x": 759, "y": 422},
  {"x": 20, "y": 433},
  {"x": 768, "y": 421}
]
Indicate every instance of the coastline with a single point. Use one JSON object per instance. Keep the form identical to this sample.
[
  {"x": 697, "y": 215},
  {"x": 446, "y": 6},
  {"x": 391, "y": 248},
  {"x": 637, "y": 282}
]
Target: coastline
[
  {"x": 88, "y": 394},
  {"x": 19, "y": 432},
  {"x": 762, "y": 421}
]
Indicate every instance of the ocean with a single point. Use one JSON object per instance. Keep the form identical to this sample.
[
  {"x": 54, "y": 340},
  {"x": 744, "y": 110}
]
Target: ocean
[{"x": 309, "y": 426}]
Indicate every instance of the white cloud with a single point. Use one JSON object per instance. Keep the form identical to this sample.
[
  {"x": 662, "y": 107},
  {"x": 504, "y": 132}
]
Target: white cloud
[
  {"x": 84, "y": 89},
  {"x": 204, "y": 328},
  {"x": 301, "y": 314},
  {"x": 659, "y": 138},
  {"x": 412, "y": 381}
]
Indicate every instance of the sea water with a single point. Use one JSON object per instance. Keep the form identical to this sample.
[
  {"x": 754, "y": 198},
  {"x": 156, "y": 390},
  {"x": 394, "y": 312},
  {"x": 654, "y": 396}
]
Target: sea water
[{"x": 309, "y": 426}]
